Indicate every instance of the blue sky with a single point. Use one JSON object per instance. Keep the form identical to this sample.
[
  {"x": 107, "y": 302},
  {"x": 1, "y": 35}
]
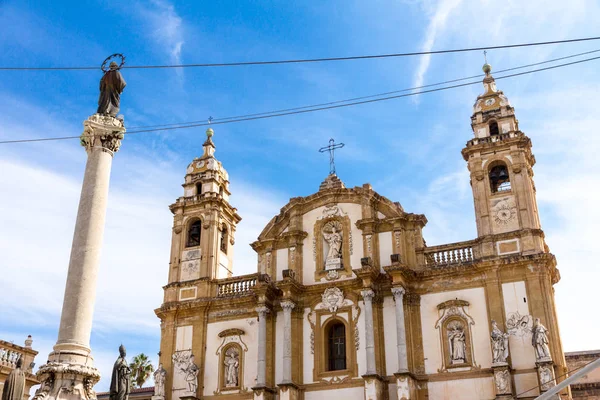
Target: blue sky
[{"x": 408, "y": 149}]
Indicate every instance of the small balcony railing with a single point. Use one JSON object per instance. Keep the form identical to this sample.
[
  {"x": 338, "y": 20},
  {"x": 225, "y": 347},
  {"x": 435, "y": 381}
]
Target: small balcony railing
[{"x": 236, "y": 286}]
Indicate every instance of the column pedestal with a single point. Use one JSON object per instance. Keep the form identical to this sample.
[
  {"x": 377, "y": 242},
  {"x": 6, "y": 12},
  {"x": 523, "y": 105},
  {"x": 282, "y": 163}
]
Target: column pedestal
[
  {"x": 374, "y": 387},
  {"x": 264, "y": 393},
  {"x": 545, "y": 373},
  {"x": 288, "y": 391},
  {"x": 69, "y": 373},
  {"x": 405, "y": 386},
  {"x": 502, "y": 381}
]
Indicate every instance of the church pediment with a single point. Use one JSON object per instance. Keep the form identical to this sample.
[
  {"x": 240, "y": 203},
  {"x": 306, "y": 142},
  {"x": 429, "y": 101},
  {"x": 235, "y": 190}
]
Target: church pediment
[{"x": 374, "y": 206}]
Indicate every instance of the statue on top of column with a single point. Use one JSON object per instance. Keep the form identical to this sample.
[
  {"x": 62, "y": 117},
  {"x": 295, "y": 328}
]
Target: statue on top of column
[
  {"x": 111, "y": 87},
  {"x": 14, "y": 387}
]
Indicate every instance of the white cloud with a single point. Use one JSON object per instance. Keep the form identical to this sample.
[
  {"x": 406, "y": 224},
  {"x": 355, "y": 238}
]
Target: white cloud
[
  {"x": 166, "y": 27},
  {"x": 436, "y": 24}
]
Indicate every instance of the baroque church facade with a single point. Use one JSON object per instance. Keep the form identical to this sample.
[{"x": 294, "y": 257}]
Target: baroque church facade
[{"x": 349, "y": 302}]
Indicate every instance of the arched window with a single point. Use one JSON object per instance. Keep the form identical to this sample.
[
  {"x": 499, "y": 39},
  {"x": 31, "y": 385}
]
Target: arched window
[
  {"x": 499, "y": 179},
  {"x": 221, "y": 191},
  {"x": 224, "y": 239},
  {"x": 198, "y": 188},
  {"x": 493, "y": 128},
  {"x": 193, "y": 234},
  {"x": 336, "y": 346}
]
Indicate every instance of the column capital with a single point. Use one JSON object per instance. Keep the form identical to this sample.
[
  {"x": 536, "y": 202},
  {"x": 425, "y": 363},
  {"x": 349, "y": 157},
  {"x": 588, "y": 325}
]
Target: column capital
[
  {"x": 287, "y": 305},
  {"x": 368, "y": 294},
  {"x": 398, "y": 292},
  {"x": 262, "y": 310},
  {"x": 104, "y": 131}
]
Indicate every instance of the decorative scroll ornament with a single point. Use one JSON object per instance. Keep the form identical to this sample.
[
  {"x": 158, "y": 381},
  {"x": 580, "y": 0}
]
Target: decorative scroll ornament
[
  {"x": 332, "y": 299},
  {"x": 330, "y": 211},
  {"x": 519, "y": 325}
]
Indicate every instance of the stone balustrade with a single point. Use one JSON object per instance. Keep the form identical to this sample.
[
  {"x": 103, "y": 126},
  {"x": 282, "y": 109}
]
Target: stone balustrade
[
  {"x": 449, "y": 254},
  {"x": 236, "y": 286},
  {"x": 9, "y": 357},
  {"x": 495, "y": 138}
]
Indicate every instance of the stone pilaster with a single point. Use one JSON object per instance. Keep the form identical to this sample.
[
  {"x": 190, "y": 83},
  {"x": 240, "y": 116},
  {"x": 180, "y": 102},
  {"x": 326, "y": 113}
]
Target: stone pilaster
[{"x": 70, "y": 373}]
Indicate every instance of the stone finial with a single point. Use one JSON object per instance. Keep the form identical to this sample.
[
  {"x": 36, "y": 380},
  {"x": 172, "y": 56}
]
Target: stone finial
[{"x": 28, "y": 342}]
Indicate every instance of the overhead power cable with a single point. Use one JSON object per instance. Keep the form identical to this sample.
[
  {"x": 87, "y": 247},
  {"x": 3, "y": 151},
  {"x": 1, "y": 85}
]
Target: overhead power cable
[
  {"x": 369, "y": 96},
  {"x": 311, "y": 60},
  {"x": 315, "y": 109}
]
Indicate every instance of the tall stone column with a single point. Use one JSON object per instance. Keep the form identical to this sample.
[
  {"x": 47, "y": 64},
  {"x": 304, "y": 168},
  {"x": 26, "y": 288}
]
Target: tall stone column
[
  {"x": 287, "y": 389},
  {"x": 373, "y": 382},
  {"x": 404, "y": 384},
  {"x": 70, "y": 373},
  {"x": 398, "y": 293},
  {"x": 369, "y": 334},
  {"x": 287, "y": 306},
  {"x": 261, "y": 363}
]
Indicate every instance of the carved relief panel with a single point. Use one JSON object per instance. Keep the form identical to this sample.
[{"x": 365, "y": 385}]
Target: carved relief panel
[{"x": 190, "y": 265}]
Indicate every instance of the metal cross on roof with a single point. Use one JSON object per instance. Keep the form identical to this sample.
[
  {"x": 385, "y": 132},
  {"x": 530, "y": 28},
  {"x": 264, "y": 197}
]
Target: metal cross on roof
[{"x": 331, "y": 149}]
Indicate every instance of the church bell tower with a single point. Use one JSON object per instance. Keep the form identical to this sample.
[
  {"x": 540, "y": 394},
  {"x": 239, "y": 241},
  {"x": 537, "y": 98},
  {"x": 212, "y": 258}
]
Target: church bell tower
[
  {"x": 500, "y": 162},
  {"x": 204, "y": 221}
]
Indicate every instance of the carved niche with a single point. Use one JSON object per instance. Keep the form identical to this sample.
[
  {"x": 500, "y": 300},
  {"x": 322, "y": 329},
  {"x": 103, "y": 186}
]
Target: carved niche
[
  {"x": 231, "y": 354},
  {"x": 333, "y": 308},
  {"x": 454, "y": 326},
  {"x": 332, "y": 244}
]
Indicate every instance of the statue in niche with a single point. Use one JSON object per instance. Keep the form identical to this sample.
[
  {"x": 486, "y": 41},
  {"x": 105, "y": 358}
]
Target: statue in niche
[
  {"x": 232, "y": 367},
  {"x": 332, "y": 234},
  {"x": 456, "y": 341},
  {"x": 120, "y": 382},
  {"x": 160, "y": 375},
  {"x": 539, "y": 341},
  {"x": 499, "y": 344},
  {"x": 191, "y": 375},
  {"x": 111, "y": 87}
]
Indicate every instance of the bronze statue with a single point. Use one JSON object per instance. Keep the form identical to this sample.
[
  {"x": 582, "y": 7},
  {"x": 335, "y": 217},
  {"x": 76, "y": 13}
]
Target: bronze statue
[
  {"x": 121, "y": 377},
  {"x": 14, "y": 387},
  {"x": 111, "y": 87}
]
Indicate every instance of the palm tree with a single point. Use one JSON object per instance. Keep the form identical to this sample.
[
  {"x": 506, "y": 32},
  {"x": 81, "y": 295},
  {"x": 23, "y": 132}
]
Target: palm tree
[{"x": 141, "y": 368}]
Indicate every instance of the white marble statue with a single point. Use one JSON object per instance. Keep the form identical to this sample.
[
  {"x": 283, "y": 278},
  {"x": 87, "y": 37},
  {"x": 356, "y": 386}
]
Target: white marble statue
[
  {"x": 539, "y": 341},
  {"x": 232, "y": 366},
  {"x": 191, "y": 375},
  {"x": 160, "y": 375},
  {"x": 334, "y": 240},
  {"x": 499, "y": 344},
  {"x": 456, "y": 339}
]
